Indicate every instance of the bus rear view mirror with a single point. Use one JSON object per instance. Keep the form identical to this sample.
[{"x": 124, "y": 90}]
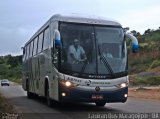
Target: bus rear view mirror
[
  {"x": 134, "y": 42},
  {"x": 22, "y": 48},
  {"x": 57, "y": 39}
]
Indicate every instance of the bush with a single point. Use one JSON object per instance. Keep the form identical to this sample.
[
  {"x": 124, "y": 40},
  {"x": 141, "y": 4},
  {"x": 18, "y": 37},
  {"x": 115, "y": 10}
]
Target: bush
[
  {"x": 153, "y": 80},
  {"x": 10, "y": 67},
  {"x": 155, "y": 63},
  {"x": 145, "y": 80}
]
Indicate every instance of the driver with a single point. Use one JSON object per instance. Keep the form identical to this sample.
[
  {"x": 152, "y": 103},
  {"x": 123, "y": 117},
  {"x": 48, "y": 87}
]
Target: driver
[{"x": 76, "y": 52}]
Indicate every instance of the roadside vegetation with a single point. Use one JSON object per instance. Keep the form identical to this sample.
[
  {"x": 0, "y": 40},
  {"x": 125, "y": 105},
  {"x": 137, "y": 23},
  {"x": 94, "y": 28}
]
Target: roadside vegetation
[
  {"x": 10, "y": 68},
  {"x": 5, "y": 107},
  {"x": 144, "y": 67},
  {"x": 149, "y": 52},
  {"x": 145, "y": 81}
]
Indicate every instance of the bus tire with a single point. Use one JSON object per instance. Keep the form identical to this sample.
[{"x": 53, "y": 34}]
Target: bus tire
[
  {"x": 100, "y": 104},
  {"x": 29, "y": 95},
  {"x": 48, "y": 99}
]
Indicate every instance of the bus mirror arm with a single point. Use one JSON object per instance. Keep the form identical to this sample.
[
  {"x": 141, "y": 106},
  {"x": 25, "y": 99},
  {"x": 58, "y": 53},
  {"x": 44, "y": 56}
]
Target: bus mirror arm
[
  {"x": 134, "y": 42},
  {"x": 22, "y": 48}
]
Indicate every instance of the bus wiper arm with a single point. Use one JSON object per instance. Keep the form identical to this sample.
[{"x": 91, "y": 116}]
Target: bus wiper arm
[
  {"x": 106, "y": 64},
  {"x": 83, "y": 67}
]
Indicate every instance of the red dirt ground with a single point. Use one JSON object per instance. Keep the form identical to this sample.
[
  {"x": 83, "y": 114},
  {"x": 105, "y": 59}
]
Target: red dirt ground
[{"x": 145, "y": 93}]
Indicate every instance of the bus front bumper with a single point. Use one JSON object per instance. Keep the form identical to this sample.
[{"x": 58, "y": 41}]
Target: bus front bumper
[{"x": 76, "y": 95}]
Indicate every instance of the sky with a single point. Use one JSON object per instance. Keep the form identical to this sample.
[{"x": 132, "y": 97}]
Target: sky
[{"x": 20, "y": 19}]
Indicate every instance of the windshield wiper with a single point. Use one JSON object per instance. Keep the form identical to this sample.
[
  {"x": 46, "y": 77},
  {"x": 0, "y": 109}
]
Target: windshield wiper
[
  {"x": 83, "y": 67},
  {"x": 106, "y": 64}
]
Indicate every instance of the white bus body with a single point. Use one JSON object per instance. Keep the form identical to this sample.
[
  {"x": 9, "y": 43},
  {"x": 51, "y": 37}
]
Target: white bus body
[{"x": 100, "y": 79}]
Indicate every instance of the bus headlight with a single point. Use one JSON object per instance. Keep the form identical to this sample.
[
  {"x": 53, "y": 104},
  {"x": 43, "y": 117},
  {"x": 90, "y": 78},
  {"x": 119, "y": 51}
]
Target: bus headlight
[
  {"x": 122, "y": 85},
  {"x": 67, "y": 83}
]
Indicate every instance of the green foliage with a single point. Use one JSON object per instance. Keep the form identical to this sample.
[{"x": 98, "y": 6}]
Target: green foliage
[
  {"x": 141, "y": 62},
  {"x": 10, "y": 67},
  {"x": 149, "y": 52},
  {"x": 3, "y": 69},
  {"x": 155, "y": 63},
  {"x": 2, "y": 60},
  {"x": 145, "y": 80},
  {"x": 147, "y": 59}
]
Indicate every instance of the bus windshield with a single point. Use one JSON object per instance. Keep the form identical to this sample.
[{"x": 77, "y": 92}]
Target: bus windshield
[{"x": 92, "y": 49}]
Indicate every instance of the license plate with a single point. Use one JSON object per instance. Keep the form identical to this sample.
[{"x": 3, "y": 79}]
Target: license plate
[{"x": 97, "y": 97}]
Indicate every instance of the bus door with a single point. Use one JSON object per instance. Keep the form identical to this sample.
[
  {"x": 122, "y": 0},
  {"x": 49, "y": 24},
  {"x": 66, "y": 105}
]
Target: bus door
[
  {"x": 36, "y": 73},
  {"x": 41, "y": 67}
]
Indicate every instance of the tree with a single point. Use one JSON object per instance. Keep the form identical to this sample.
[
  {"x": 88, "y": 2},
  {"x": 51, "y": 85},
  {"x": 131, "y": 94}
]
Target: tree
[
  {"x": 2, "y": 60},
  {"x": 3, "y": 70},
  {"x": 10, "y": 67},
  {"x": 135, "y": 33},
  {"x": 12, "y": 61},
  {"x": 147, "y": 31}
]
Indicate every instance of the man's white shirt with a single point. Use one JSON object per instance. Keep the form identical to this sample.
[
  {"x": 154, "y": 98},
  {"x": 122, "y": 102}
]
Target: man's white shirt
[{"x": 76, "y": 52}]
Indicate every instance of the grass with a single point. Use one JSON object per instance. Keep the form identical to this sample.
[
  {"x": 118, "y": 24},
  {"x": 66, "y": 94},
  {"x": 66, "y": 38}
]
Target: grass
[
  {"x": 19, "y": 81},
  {"x": 154, "y": 64},
  {"x": 150, "y": 80},
  {"x": 143, "y": 61}
]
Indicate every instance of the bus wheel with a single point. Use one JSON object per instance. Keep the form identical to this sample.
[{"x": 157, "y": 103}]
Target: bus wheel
[
  {"x": 100, "y": 104},
  {"x": 48, "y": 99},
  {"x": 29, "y": 94}
]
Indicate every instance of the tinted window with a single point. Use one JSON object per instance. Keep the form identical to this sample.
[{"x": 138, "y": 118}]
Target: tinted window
[
  {"x": 103, "y": 46},
  {"x": 85, "y": 35},
  {"x": 28, "y": 51},
  {"x": 46, "y": 39},
  {"x": 40, "y": 42},
  {"x": 111, "y": 48},
  {"x": 35, "y": 46},
  {"x": 24, "y": 53}
]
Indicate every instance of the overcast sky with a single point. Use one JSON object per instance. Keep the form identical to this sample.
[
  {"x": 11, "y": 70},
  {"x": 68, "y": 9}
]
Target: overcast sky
[{"x": 19, "y": 19}]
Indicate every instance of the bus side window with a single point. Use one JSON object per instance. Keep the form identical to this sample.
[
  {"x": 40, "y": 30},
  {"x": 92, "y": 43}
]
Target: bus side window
[
  {"x": 24, "y": 53},
  {"x": 28, "y": 47},
  {"x": 35, "y": 46},
  {"x": 40, "y": 41},
  {"x": 46, "y": 41}
]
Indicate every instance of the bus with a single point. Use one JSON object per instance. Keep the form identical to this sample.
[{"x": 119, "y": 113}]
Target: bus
[{"x": 100, "y": 78}]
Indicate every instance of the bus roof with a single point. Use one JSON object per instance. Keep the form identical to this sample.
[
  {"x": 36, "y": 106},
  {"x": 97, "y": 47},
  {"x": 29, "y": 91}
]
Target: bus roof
[
  {"x": 84, "y": 19},
  {"x": 77, "y": 19}
]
